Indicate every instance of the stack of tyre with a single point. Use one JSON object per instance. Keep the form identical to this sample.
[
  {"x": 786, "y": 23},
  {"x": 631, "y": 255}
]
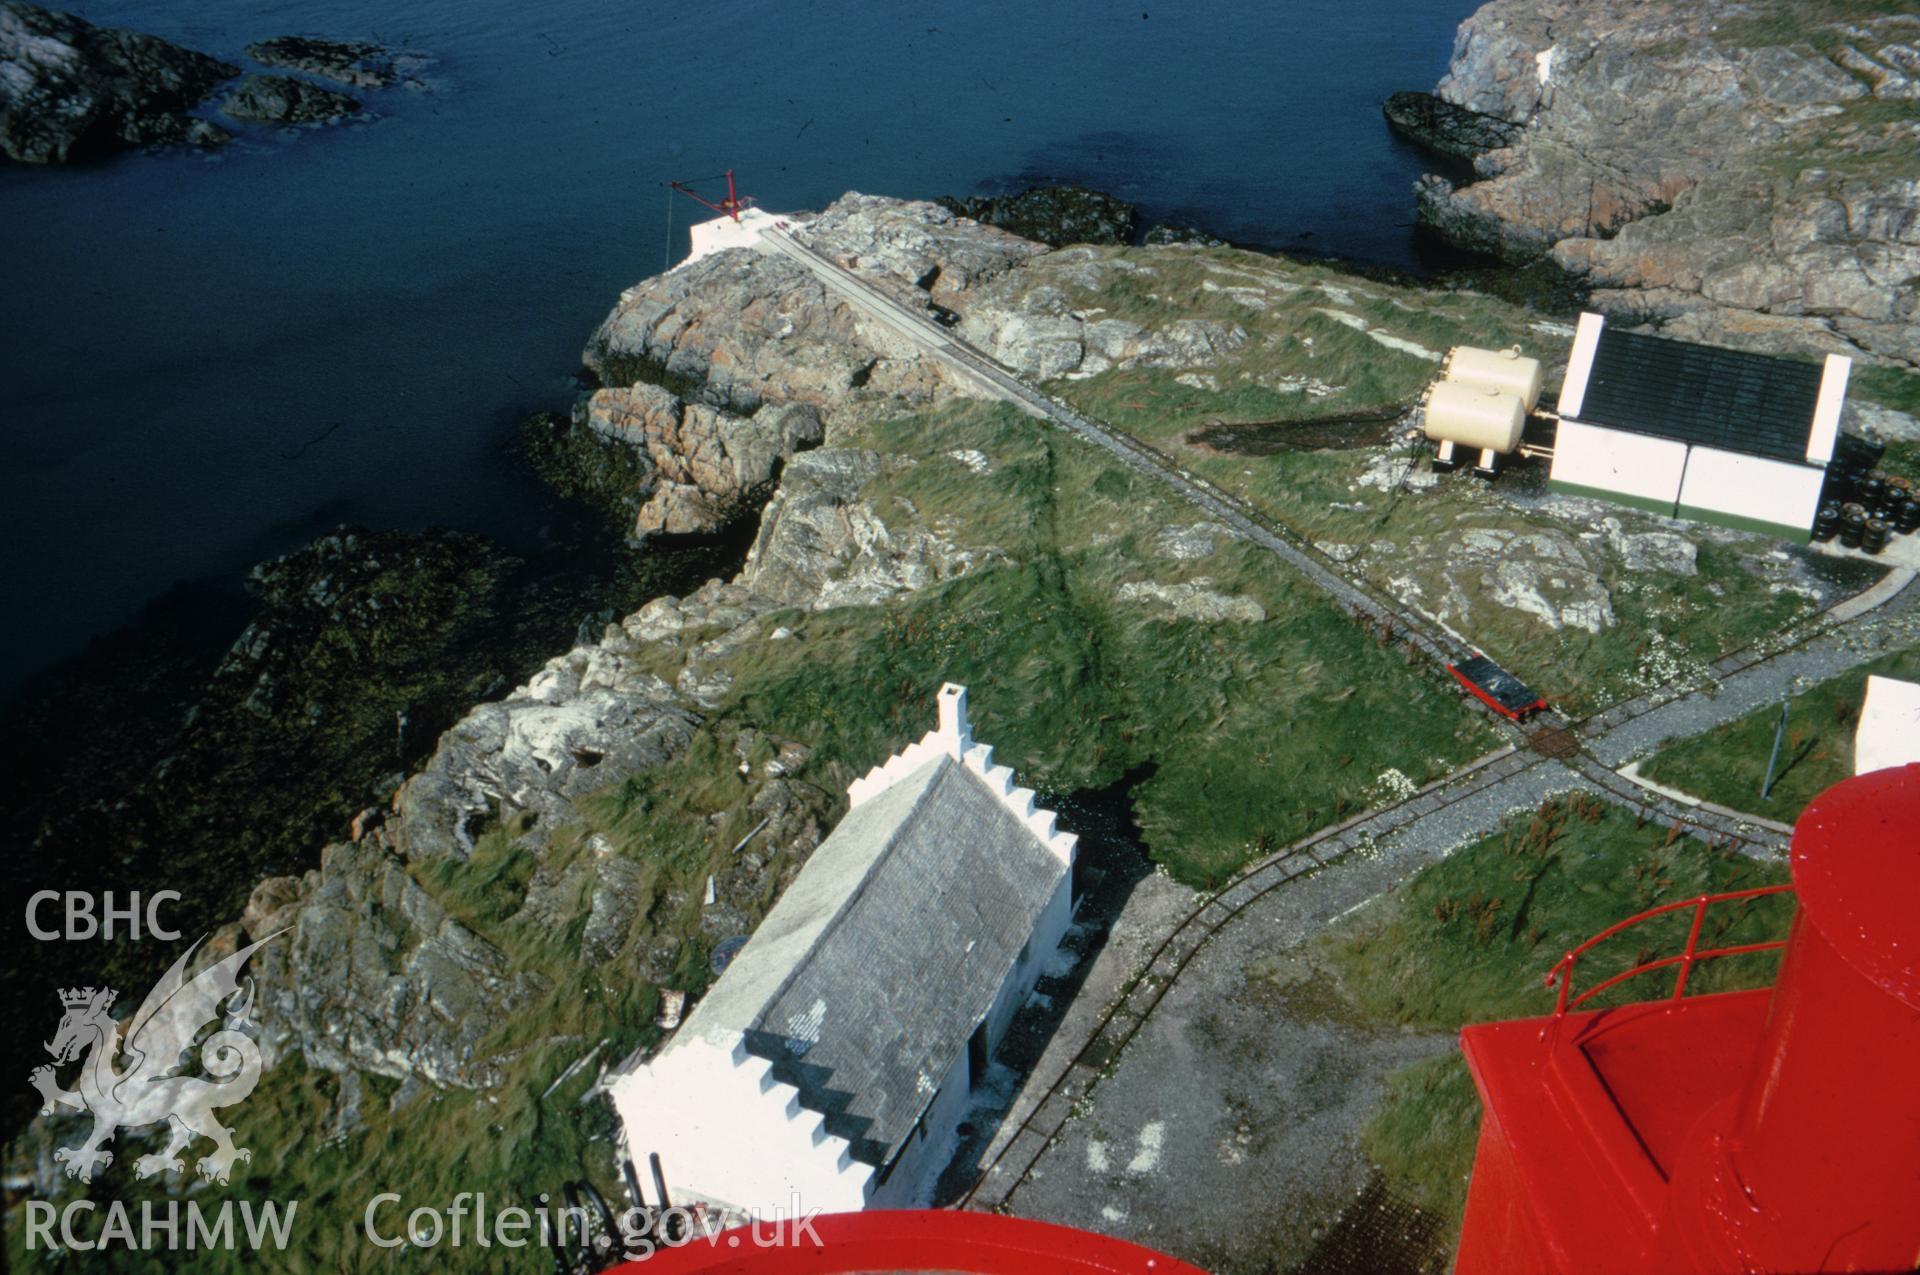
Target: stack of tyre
[{"x": 1862, "y": 505}]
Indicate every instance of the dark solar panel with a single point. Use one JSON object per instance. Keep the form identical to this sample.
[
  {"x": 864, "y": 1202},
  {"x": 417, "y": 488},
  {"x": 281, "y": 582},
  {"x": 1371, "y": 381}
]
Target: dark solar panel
[{"x": 1730, "y": 399}]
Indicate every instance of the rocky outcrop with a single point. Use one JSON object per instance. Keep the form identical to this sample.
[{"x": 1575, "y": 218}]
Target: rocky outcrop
[
  {"x": 375, "y": 975},
  {"x": 282, "y": 99},
  {"x": 1446, "y": 129},
  {"x": 1738, "y": 173},
  {"x": 69, "y": 89},
  {"x": 823, "y": 544},
  {"x": 351, "y": 62},
  {"x": 1159, "y": 236},
  {"x": 1194, "y": 600},
  {"x": 698, "y": 465},
  {"x": 587, "y": 720},
  {"x": 1054, "y": 215},
  {"x": 742, "y": 329},
  {"x": 1029, "y": 321}
]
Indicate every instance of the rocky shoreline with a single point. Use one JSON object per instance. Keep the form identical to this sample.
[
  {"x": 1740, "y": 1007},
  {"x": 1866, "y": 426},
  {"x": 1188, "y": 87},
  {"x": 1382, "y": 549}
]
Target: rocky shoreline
[
  {"x": 175, "y": 755},
  {"x": 72, "y": 91},
  {"x": 1735, "y": 174}
]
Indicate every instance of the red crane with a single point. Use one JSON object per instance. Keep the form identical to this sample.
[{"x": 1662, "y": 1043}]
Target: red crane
[{"x": 728, "y": 207}]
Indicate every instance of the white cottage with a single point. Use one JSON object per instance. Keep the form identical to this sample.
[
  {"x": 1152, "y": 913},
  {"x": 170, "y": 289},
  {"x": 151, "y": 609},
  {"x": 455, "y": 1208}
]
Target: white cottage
[
  {"x": 1692, "y": 431},
  {"x": 830, "y": 1063}
]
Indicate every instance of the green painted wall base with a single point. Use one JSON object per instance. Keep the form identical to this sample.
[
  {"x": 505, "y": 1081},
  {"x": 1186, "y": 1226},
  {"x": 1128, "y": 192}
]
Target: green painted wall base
[
  {"x": 1785, "y": 531},
  {"x": 1648, "y": 503}
]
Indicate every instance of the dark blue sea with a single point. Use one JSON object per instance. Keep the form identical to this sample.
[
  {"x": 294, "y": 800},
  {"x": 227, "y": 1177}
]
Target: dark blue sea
[{"x": 207, "y": 359}]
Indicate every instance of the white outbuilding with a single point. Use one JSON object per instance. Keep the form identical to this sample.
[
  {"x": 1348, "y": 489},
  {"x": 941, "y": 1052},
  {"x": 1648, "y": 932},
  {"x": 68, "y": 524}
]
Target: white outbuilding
[
  {"x": 1693, "y": 431},
  {"x": 1889, "y": 729},
  {"x": 830, "y": 1064}
]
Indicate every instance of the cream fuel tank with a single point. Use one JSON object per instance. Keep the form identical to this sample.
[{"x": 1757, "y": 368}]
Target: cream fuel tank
[
  {"x": 1481, "y": 402},
  {"x": 1507, "y": 369},
  {"x": 1480, "y": 417}
]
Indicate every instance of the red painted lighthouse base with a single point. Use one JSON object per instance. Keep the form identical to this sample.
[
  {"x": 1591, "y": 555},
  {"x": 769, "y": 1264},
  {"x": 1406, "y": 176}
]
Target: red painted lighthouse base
[
  {"x": 1582, "y": 1124},
  {"x": 1765, "y": 1131}
]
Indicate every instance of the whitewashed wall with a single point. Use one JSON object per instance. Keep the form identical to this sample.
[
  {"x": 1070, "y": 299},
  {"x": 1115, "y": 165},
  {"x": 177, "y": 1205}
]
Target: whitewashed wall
[
  {"x": 728, "y": 1134},
  {"x": 1752, "y": 487},
  {"x": 1614, "y": 460}
]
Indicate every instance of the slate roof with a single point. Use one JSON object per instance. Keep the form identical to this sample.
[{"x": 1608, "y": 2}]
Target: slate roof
[
  {"x": 1729, "y": 399},
  {"x": 864, "y": 982}
]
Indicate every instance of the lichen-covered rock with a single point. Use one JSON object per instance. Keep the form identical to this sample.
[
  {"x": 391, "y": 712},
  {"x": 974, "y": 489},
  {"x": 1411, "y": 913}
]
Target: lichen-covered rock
[
  {"x": 1664, "y": 551},
  {"x": 914, "y": 246},
  {"x": 1191, "y": 542},
  {"x": 822, "y": 544},
  {"x": 1880, "y": 424},
  {"x": 1543, "y": 573},
  {"x": 283, "y": 99},
  {"x": 1739, "y": 173},
  {"x": 1026, "y": 320},
  {"x": 586, "y": 720},
  {"x": 69, "y": 89},
  {"x": 377, "y": 976},
  {"x": 740, "y": 329},
  {"x": 698, "y": 465},
  {"x": 1193, "y": 600}
]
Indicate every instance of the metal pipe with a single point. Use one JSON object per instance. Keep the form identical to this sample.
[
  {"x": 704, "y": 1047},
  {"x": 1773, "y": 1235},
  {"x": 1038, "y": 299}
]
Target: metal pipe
[{"x": 1779, "y": 733}]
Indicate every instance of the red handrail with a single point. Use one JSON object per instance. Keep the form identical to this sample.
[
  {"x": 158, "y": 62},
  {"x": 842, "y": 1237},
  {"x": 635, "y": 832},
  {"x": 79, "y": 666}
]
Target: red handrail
[{"x": 1562, "y": 971}]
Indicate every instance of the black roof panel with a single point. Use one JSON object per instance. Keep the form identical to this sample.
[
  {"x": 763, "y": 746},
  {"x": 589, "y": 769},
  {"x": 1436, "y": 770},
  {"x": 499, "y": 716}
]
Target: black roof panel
[{"x": 1730, "y": 399}]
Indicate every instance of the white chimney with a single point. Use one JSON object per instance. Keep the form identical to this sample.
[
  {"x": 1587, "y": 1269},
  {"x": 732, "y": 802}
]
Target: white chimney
[{"x": 956, "y": 735}]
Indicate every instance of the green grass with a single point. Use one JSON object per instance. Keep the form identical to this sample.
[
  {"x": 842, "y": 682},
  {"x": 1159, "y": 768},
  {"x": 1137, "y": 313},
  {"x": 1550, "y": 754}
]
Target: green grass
[
  {"x": 1258, "y": 732},
  {"x": 1728, "y": 764},
  {"x": 1902, "y": 459},
  {"x": 1423, "y": 1132},
  {"x": 516, "y": 1140},
  {"x": 1470, "y": 938},
  {"x": 1667, "y": 626},
  {"x": 1782, "y": 22},
  {"x": 1895, "y": 387}
]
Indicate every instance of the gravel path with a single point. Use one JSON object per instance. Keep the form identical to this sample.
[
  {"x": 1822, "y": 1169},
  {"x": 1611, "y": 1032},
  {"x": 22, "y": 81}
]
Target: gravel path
[
  {"x": 1227, "y": 1133},
  {"x": 1745, "y": 681}
]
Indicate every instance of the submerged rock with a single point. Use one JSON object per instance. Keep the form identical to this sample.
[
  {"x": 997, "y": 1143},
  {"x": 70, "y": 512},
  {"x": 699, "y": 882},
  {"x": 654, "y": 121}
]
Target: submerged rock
[
  {"x": 69, "y": 89},
  {"x": 282, "y": 99},
  {"x": 1053, "y": 215},
  {"x": 354, "y": 62},
  {"x": 1161, "y": 235}
]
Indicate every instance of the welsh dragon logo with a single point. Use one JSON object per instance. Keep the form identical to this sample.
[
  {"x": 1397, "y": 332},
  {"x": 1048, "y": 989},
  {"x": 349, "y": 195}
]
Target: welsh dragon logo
[{"x": 145, "y": 1090}]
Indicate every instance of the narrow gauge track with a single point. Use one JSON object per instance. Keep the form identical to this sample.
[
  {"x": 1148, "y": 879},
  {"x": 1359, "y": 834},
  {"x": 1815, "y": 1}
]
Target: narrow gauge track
[{"x": 1009, "y": 1166}]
